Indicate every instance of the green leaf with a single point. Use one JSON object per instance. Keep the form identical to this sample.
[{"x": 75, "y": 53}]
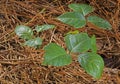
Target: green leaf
[
  {"x": 73, "y": 32},
  {"x": 92, "y": 63},
  {"x": 99, "y": 22},
  {"x": 24, "y": 32},
  {"x": 44, "y": 27},
  {"x": 36, "y": 42},
  {"x": 93, "y": 44},
  {"x": 74, "y": 19},
  {"x": 56, "y": 56},
  {"x": 78, "y": 42},
  {"x": 82, "y": 8}
]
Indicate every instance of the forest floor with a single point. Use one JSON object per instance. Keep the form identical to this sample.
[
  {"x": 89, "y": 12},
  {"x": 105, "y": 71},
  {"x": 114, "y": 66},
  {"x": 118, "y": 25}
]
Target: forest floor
[{"x": 22, "y": 64}]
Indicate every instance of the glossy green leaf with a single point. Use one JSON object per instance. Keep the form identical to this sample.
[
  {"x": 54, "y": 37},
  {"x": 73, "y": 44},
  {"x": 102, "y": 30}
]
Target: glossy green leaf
[
  {"x": 99, "y": 22},
  {"x": 93, "y": 44},
  {"x": 44, "y": 27},
  {"x": 74, "y": 19},
  {"x": 78, "y": 42},
  {"x": 36, "y": 42},
  {"x": 56, "y": 56},
  {"x": 92, "y": 63},
  {"x": 82, "y": 8},
  {"x": 24, "y": 32}
]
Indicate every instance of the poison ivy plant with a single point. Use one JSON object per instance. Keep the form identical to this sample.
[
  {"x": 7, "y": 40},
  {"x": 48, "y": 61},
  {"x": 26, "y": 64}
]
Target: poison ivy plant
[
  {"x": 74, "y": 19},
  {"x": 82, "y": 43},
  {"x": 92, "y": 63},
  {"x": 24, "y": 32},
  {"x": 56, "y": 55},
  {"x": 36, "y": 42},
  {"x": 77, "y": 17},
  {"x": 82, "y": 8},
  {"x": 93, "y": 44},
  {"x": 78, "y": 42},
  {"x": 99, "y": 22}
]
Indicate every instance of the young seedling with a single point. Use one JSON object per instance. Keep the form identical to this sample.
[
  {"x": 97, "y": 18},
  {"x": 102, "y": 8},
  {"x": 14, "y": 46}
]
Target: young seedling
[
  {"x": 76, "y": 42},
  {"x": 26, "y": 33},
  {"x": 81, "y": 43}
]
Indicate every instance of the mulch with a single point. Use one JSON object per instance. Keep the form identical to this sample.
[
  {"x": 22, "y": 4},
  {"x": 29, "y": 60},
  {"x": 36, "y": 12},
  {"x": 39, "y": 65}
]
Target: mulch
[{"x": 22, "y": 65}]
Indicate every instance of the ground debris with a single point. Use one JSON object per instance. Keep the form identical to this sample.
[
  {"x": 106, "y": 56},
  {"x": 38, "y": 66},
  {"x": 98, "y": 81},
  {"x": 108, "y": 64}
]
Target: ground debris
[{"x": 22, "y": 65}]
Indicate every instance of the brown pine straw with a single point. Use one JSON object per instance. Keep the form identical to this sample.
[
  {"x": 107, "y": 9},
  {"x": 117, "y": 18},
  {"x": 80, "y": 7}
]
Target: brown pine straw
[{"x": 22, "y": 65}]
